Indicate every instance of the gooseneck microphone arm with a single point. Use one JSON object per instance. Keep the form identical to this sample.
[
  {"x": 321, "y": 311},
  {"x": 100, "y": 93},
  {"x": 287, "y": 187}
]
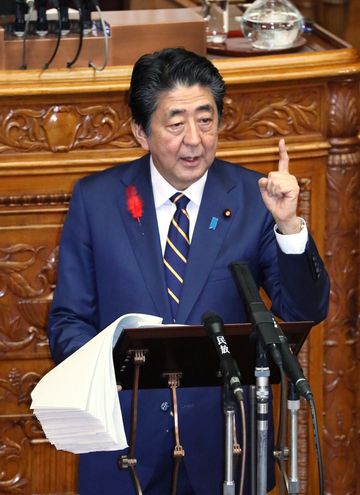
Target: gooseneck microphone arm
[
  {"x": 270, "y": 332},
  {"x": 58, "y": 40},
  {"x": 81, "y": 35},
  {"x": 106, "y": 38}
]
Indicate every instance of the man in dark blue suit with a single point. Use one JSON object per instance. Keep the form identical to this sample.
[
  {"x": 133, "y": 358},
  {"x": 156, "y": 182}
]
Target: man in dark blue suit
[{"x": 111, "y": 261}]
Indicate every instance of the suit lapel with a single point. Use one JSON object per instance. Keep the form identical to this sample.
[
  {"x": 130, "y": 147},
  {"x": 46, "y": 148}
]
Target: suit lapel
[
  {"x": 207, "y": 240},
  {"x": 144, "y": 237}
]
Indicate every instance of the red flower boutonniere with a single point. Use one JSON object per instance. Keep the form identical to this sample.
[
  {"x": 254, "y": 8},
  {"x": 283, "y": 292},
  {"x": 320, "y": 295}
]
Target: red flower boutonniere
[{"x": 134, "y": 203}]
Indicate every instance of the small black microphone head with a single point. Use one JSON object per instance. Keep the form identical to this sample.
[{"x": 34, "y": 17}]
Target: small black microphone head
[
  {"x": 214, "y": 328},
  {"x": 213, "y": 324},
  {"x": 210, "y": 317}
]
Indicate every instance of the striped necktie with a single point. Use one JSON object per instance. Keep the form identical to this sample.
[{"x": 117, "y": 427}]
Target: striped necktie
[{"x": 176, "y": 250}]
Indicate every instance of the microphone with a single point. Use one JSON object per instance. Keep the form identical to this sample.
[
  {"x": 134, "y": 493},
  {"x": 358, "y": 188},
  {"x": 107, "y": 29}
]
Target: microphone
[
  {"x": 86, "y": 12},
  {"x": 64, "y": 17},
  {"x": 214, "y": 328},
  {"x": 20, "y": 11},
  {"x": 270, "y": 332},
  {"x": 292, "y": 367},
  {"x": 42, "y": 26}
]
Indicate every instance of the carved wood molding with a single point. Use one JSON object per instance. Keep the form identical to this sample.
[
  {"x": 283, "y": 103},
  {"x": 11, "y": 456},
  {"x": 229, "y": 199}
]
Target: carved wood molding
[
  {"x": 64, "y": 128},
  {"x": 14, "y": 453},
  {"x": 304, "y": 203},
  {"x": 278, "y": 113},
  {"x": 18, "y": 435},
  {"x": 35, "y": 200},
  {"x": 17, "y": 386},
  {"x": 341, "y": 372},
  {"x": 27, "y": 279},
  {"x": 69, "y": 127},
  {"x": 304, "y": 208},
  {"x": 344, "y": 109},
  {"x": 23, "y": 451}
]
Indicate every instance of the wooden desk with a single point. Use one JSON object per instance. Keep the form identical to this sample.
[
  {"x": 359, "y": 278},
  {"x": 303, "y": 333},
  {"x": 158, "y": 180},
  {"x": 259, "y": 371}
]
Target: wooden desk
[{"x": 59, "y": 125}]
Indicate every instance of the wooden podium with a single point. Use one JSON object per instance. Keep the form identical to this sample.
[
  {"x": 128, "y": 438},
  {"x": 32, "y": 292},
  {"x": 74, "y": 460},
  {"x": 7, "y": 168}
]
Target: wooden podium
[
  {"x": 131, "y": 33},
  {"x": 184, "y": 356},
  {"x": 59, "y": 125},
  {"x": 187, "y": 350}
]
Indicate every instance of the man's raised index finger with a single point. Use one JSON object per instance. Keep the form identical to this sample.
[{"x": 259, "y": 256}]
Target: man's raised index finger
[{"x": 284, "y": 158}]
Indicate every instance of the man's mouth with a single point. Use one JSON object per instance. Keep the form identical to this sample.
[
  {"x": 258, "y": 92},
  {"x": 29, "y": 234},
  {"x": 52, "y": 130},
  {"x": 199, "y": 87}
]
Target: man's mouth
[{"x": 190, "y": 159}]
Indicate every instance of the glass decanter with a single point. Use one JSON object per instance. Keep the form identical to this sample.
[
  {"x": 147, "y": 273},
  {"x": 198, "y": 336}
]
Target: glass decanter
[{"x": 272, "y": 24}]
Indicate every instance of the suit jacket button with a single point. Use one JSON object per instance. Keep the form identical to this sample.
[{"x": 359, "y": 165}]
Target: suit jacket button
[{"x": 164, "y": 406}]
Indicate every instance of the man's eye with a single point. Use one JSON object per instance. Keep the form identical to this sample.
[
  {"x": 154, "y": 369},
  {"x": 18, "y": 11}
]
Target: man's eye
[
  {"x": 206, "y": 120},
  {"x": 176, "y": 125}
]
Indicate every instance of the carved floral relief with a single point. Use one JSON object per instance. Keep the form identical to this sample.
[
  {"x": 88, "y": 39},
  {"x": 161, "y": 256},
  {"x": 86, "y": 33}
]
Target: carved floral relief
[
  {"x": 24, "y": 200},
  {"x": 341, "y": 339},
  {"x": 14, "y": 453},
  {"x": 27, "y": 279},
  {"x": 258, "y": 115},
  {"x": 304, "y": 209},
  {"x": 341, "y": 342},
  {"x": 17, "y": 386},
  {"x": 343, "y": 110},
  {"x": 63, "y": 128}
]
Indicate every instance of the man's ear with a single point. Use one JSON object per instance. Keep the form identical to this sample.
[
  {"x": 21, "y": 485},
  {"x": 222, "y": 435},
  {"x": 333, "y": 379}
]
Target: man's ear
[{"x": 140, "y": 135}]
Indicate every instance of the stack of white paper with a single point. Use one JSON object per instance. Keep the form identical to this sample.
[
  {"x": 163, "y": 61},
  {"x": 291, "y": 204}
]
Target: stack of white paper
[{"x": 77, "y": 401}]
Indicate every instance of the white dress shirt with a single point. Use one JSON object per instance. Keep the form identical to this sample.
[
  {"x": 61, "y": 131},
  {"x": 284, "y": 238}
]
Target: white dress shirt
[{"x": 165, "y": 209}]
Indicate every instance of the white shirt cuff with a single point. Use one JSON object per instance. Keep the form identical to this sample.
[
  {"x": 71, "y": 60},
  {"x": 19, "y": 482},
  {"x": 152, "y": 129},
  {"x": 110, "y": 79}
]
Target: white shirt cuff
[{"x": 293, "y": 243}]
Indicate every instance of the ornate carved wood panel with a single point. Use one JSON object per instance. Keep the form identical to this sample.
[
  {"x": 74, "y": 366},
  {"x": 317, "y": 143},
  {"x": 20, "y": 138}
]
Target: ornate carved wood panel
[
  {"x": 341, "y": 363},
  {"x": 283, "y": 111},
  {"x": 44, "y": 126},
  {"x": 57, "y": 129},
  {"x": 29, "y": 230}
]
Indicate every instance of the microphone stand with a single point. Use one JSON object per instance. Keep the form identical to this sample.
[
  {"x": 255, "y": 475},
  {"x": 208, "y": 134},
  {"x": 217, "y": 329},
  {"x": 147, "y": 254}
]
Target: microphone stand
[
  {"x": 262, "y": 374},
  {"x": 229, "y": 411},
  {"x": 214, "y": 328},
  {"x": 31, "y": 4},
  {"x": 293, "y": 408},
  {"x": 273, "y": 340},
  {"x": 252, "y": 403}
]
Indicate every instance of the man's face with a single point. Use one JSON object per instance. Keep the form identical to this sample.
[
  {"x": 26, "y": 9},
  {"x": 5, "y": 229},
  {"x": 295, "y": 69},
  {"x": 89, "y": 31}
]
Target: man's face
[{"x": 183, "y": 134}]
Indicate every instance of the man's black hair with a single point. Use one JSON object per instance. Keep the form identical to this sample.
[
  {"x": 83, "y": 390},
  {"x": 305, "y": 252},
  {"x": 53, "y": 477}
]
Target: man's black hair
[{"x": 165, "y": 70}]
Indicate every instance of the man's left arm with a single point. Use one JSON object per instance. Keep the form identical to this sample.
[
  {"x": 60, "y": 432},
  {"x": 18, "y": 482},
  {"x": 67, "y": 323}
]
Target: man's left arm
[
  {"x": 301, "y": 269},
  {"x": 280, "y": 193}
]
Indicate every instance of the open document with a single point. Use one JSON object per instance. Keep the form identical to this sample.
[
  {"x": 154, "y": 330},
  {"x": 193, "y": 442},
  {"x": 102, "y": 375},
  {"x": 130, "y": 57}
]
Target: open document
[{"x": 77, "y": 401}]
